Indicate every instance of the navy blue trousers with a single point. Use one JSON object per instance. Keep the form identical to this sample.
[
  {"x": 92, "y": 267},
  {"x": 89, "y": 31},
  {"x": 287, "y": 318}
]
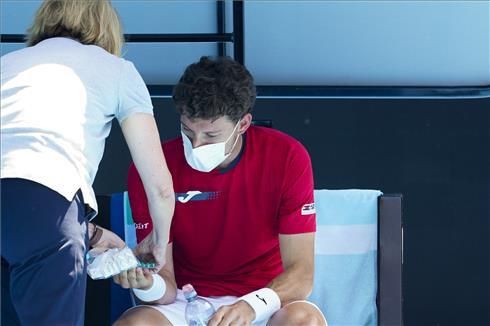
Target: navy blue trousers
[{"x": 44, "y": 238}]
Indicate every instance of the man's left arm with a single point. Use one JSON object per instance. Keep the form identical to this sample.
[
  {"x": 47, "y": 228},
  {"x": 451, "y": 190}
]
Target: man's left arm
[
  {"x": 296, "y": 226},
  {"x": 294, "y": 283},
  {"x": 297, "y": 253}
]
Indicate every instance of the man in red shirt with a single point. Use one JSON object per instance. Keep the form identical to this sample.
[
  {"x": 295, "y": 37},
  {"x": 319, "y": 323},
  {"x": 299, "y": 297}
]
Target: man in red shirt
[{"x": 244, "y": 224}]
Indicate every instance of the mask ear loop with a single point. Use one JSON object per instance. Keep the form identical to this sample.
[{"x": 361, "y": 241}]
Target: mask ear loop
[{"x": 236, "y": 140}]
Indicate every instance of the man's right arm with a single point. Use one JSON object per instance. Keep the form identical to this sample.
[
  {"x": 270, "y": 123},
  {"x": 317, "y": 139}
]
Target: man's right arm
[{"x": 167, "y": 273}]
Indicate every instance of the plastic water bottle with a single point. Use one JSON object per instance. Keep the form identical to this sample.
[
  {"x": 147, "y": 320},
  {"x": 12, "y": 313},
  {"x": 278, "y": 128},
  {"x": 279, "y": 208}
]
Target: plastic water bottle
[{"x": 198, "y": 310}]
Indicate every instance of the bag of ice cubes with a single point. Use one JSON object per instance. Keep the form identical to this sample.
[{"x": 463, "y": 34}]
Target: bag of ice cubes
[{"x": 105, "y": 264}]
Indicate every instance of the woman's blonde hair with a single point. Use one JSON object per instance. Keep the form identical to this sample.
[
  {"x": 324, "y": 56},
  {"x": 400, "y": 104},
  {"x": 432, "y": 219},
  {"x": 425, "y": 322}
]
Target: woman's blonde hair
[{"x": 89, "y": 21}]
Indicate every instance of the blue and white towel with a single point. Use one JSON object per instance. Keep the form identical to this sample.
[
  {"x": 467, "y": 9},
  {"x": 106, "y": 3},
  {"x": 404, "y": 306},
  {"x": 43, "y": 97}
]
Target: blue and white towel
[{"x": 345, "y": 282}]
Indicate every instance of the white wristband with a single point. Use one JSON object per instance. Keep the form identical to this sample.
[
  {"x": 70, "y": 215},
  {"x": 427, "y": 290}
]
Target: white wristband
[
  {"x": 265, "y": 302},
  {"x": 156, "y": 291}
]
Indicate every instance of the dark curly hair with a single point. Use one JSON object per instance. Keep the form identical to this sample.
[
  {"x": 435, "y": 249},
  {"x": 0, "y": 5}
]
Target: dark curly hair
[{"x": 212, "y": 88}]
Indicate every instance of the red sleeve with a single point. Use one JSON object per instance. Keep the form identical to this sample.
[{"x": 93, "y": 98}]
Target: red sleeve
[
  {"x": 139, "y": 204},
  {"x": 297, "y": 207}
]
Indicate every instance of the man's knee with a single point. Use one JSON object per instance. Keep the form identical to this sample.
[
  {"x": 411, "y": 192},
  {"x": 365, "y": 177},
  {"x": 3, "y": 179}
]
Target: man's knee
[
  {"x": 298, "y": 313},
  {"x": 141, "y": 316}
]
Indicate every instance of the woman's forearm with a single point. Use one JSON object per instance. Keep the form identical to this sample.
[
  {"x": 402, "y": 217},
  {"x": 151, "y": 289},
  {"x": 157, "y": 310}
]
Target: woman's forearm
[{"x": 161, "y": 204}]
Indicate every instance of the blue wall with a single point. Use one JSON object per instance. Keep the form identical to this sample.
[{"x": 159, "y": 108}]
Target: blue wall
[
  {"x": 369, "y": 42},
  {"x": 313, "y": 42}
]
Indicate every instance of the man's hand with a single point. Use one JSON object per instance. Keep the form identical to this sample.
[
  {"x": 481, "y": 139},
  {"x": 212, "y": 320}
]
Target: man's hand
[
  {"x": 134, "y": 278},
  {"x": 108, "y": 240},
  {"x": 152, "y": 249},
  {"x": 239, "y": 313}
]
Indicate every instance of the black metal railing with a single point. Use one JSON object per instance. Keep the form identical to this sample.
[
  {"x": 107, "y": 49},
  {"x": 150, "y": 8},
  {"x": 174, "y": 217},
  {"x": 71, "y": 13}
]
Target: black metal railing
[
  {"x": 220, "y": 37},
  {"x": 353, "y": 92}
]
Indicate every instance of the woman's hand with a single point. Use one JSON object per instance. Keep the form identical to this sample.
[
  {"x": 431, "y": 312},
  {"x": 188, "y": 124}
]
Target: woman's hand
[
  {"x": 152, "y": 250},
  {"x": 107, "y": 240}
]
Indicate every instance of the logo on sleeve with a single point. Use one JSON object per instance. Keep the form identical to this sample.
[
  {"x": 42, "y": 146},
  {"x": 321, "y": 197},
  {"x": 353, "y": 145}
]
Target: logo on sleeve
[{"x": 308, "y": 209}]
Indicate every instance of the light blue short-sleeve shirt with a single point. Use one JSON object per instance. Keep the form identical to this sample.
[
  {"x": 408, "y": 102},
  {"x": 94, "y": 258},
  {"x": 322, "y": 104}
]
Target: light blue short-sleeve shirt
[{"x": 58, "y": 100}]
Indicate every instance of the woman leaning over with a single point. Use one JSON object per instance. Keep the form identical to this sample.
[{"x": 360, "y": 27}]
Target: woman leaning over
[{"x": 58, "y": 98}]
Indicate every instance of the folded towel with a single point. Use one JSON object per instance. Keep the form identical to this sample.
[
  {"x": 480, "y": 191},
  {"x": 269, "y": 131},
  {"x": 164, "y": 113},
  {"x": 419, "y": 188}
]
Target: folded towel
[{"x": 345, "y": 282}]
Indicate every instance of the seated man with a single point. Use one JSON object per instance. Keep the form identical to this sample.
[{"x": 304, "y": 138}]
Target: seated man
[{"x": 244, "y": 224}]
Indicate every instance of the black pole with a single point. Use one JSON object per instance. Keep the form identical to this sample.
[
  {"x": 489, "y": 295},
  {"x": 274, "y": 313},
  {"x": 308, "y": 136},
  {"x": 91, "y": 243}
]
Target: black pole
[
  {"x": 147, "y": 38},
  {"x": 221, "y": 25},
  {"x": 12, "y": 38},
  {"x": 202, "y": 37},
  {"x": 238, "y": 31}
]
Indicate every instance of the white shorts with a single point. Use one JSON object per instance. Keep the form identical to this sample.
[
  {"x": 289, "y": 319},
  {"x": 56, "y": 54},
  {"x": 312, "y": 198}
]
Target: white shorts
[{"x": 175, "y": 312}]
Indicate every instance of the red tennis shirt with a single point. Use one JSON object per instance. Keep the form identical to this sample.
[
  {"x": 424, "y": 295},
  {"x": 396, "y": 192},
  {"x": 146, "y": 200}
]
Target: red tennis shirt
[{"x": 226, "y": 223}]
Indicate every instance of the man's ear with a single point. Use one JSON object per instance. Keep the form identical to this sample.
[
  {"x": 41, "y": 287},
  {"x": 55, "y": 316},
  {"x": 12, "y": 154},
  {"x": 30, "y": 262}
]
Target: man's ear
[{"x": 245, "y": 122}]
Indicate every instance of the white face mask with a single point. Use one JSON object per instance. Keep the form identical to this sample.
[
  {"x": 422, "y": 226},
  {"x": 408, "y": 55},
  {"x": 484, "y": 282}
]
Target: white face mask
[{"x": 207, "y": 157}]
